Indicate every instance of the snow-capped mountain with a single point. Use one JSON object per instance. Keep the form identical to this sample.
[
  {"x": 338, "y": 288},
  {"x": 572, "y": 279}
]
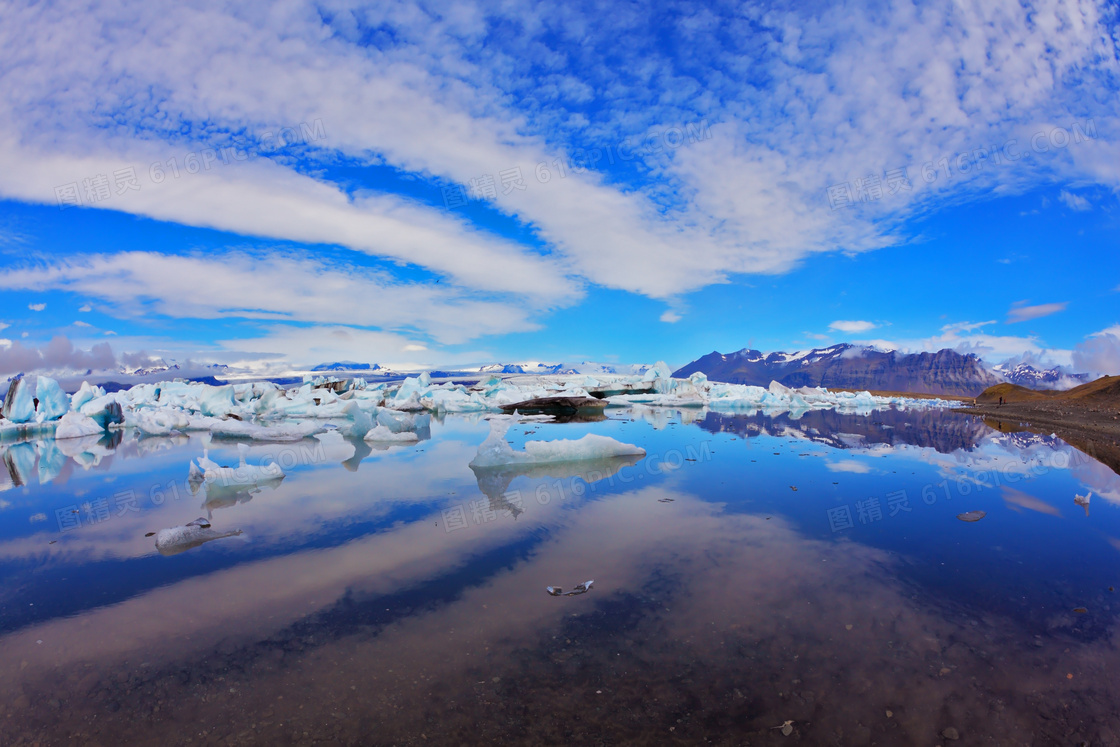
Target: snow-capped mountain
[
  {"x": 1027, "y": 375},
  {"x": 850, "y": 367},
  {"x": 586, "y": 367}
]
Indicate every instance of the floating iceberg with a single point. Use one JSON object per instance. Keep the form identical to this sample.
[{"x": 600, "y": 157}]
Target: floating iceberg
[
  {"x": 19, "y": 402},
  {"x": 264, "y": 411},
  {"x": 76, "y": 425},
  {"x": 381, "y": 434},
  {"x": 53, "y": 402},
  {"x": 175, "y": 540},
  {"x": 244, "y": 474},
  {"x": 495, "y": 451}
]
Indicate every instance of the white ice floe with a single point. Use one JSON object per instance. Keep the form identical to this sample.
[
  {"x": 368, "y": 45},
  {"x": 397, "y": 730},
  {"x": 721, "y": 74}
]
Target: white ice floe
[
  {"x": 210, "y": 471},
  {"x": 76, "y": 425},
  {"x": 495, "y": 451},
  {"x": 381, "y": 434}
]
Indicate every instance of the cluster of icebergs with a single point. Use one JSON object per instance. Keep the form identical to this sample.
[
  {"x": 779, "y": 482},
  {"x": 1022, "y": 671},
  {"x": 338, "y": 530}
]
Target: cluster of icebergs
[{"x": 37, "y": 407}]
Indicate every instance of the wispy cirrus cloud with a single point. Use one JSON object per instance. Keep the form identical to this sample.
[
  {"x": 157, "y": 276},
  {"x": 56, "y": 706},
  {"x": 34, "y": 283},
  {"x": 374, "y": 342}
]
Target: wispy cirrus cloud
[
  {"x": 1074, "y": 202},
  {"x": 1023, "y": 313}
]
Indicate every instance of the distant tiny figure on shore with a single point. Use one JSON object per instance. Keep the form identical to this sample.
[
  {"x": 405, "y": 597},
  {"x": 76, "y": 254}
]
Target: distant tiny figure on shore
[{"x": 1000, "y": 402}]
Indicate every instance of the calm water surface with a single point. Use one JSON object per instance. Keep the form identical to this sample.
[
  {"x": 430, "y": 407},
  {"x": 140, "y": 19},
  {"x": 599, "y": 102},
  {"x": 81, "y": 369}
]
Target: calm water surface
[{"x": 749, "y": 572}]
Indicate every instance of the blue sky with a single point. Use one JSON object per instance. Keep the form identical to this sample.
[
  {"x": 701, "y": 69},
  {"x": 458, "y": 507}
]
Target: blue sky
[{"x": 430, "y": 186}]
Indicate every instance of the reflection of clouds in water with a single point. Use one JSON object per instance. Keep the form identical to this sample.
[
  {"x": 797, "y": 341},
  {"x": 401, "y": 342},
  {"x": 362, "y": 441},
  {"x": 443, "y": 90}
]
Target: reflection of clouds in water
[
  {"x": 1017, "y": 500},
  {"x": 311, "y": 495},
  {"x": 696, "y": 616},
  {"x": 1100, "y": 479},
  {"x": 849, "y": 465}
]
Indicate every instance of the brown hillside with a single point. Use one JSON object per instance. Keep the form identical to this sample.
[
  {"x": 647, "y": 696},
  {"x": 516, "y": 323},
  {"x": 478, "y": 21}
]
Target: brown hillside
[
  {"x": 1010, "y": 393},
  {"x": 1103, "y": 391}
]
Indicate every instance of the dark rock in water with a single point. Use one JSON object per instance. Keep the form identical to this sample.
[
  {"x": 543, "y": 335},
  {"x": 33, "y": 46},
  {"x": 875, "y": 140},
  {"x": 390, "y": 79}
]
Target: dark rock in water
[
  {"x": 972, "y": 515},
  {"x": 555, "y": 405}
]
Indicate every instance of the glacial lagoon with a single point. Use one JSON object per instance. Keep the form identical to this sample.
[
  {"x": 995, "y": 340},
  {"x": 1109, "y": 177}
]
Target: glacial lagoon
[{"x": 757, "y": 579}]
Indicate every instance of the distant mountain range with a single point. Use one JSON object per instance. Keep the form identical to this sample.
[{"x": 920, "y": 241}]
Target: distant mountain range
[
  {"x": 846, "y": 366},
  {"x": 346, "y": 366},
  {"x": 1033, "y": 378},
  {"x": 586, "y": 367}
]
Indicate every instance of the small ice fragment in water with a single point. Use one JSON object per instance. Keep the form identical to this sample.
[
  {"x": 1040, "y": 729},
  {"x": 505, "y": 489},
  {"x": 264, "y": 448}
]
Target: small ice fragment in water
[
  {"x": 787, "y": 728},
  {"x": 1083, "y": 501},
  {"x": 583, "y": 588},
  {"x": 972, "y": 515}
]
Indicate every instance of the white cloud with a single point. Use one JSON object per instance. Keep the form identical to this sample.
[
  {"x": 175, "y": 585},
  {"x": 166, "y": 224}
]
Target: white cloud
[
  {"x": 1074, "y": 202},
  {"x": 319, "y": 344},
  {"x": 849, "y": 465},
  {"x": 949, "y": 78},
  {"x": 59, "y": 353},
  {"x": 36, "y": 306},
  {"x": 1020, "y": 313},
  {"x": 4, "y": 326},
  {"x": 852, "y": 327},
  {"x": 1099, "y": 353},
  {"x": 85, "y": 308},
  {"x": 964, "y": 338},
  {"x": 275, "y": 287},
  {"x": 670, "y": 317},
  {"x": 82, "y": 324}
]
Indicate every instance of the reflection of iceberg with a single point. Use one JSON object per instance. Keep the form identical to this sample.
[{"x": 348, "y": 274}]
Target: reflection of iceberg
[
  {"x": 227, "y": 496},
  {"x": 182, "y": 538},
  {"x": 51, "y": 462},
  {"x": 6, "y": 482},
  {"x": 88, "y": 451},
  {"x": 495, "y": 451},
  {"x": 20, "y": 460}
]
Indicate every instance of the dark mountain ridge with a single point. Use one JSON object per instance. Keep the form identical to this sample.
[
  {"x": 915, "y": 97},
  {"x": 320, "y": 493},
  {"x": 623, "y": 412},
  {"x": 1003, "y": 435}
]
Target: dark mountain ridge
[{"x": 846, "y": 366}]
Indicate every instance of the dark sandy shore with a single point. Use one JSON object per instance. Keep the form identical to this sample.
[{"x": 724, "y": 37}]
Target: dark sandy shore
[{"x": 1094, "y": 428}]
